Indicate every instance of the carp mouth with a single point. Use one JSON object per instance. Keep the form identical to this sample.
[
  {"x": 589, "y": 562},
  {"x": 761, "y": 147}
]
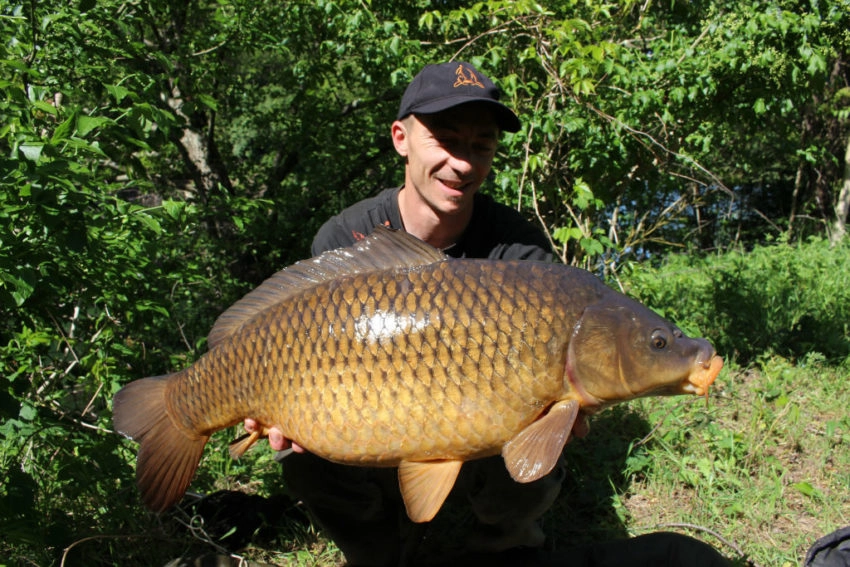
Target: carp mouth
[{"x": 701, "y": 377}]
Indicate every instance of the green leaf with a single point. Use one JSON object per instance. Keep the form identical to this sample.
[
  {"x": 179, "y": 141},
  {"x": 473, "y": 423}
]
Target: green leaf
[
  {"x": 32, "y": 151},
  {"x": 155, "y": 308},
  {"x": 150, "y": 222},
  {"x": 118, "y": 92},
  {"x": 208, "y": 101},
  {"x": 63, "y": 130},
  {"x": 21, "y": 285},
  {"x": 85, "y": 124},
  {"x": 28, "y": 412},
  {"x": 565, "y": 234},
  {"x": 45, "y": 107},
  {"x": 173, "y": 208},
  {"x": 592, "y": 246},
  {"x": 806, "y": 489}
]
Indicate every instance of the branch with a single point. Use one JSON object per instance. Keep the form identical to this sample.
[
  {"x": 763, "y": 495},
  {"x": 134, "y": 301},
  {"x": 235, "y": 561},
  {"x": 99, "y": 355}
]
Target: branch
[
  {"x": 534, "y": 187},
  {"x": 209, "y": 49},
  {"x": 101, "y": 537},
  {"x": 842, "y": 207},
  {"x": 641, "y": 134}
]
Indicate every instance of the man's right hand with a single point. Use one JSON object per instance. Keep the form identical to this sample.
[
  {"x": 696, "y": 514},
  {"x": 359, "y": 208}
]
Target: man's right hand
[{"x": 276, "y": 439}]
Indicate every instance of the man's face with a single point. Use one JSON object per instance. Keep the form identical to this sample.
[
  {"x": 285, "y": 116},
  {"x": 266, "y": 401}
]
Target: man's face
[{"x": 449, "y": 154}]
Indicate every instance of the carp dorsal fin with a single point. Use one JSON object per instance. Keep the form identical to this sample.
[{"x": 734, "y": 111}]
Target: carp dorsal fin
[
  {"x": 535, "y": 450},
  {"x": 384, "y": 249},
  {"x": 425, "y": 486}
]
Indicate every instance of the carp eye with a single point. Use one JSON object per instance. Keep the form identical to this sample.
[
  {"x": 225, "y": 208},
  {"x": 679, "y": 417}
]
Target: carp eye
[{"x": 659, "y": 339}]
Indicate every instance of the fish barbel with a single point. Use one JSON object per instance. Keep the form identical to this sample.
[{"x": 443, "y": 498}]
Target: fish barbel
[{"x": 389, "y": 353}]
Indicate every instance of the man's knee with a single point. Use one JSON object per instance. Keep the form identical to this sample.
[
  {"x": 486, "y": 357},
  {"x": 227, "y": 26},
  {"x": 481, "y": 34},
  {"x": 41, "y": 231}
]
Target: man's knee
[
  {"x": 355, "y": 506},
  {"x": 498, "y": 497}
]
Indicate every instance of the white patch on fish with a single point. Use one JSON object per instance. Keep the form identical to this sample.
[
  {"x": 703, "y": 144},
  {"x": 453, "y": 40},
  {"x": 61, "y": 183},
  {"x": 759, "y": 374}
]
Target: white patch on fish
[{"x": 382, "y": 326}]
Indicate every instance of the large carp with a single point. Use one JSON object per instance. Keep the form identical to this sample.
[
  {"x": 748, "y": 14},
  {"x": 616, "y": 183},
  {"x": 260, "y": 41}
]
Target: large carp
[{"x": 389, "y": 353}]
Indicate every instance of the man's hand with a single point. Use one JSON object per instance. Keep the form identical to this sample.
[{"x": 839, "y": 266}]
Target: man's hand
[
  {"x": 276, "y": 439},
  {"x": 581, "y": 427}
]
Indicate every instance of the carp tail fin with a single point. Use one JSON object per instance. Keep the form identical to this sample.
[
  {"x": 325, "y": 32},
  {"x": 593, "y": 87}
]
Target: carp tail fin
[
  {"x": 168, "y": 456},
  {"x": 425, "y": 486}
]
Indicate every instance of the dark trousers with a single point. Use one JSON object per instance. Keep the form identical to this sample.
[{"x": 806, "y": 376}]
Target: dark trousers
[{"x": 361, "y": 510}]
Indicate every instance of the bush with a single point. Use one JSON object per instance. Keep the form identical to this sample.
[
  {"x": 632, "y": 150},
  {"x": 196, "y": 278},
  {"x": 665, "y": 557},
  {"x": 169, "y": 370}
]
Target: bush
[{"x": 790, "y": 300}]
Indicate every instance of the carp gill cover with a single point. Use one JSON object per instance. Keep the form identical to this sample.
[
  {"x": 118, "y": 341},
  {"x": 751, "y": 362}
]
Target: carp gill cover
[{"x": 389, "y": 353}]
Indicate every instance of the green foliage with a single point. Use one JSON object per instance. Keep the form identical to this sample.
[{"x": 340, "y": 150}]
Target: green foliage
[
  {"x": 785, "y": 299},
  {"x": 692, "y": 123},
  {"x": 95, "y": 290}
]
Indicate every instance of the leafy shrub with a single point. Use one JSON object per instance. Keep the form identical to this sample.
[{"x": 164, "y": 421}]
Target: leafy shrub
[
  {"x": 96, "y": 289},
  {"x": 790, "y": 300}
]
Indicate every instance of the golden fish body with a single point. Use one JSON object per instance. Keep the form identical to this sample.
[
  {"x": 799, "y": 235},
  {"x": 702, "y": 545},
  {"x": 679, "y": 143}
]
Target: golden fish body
[
  {"x": 446, "y": 361},
  {"x": 390, "y": 354}
]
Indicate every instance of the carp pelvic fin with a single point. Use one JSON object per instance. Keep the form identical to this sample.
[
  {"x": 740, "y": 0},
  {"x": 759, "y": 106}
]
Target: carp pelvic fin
[
  {"x": 533, "y": 452},
  {"x": 168, "y": 457},
  {"x": 425, "y": 486}
]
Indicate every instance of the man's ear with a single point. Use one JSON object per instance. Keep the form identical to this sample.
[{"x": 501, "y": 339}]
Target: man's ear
[{"x": 399, "y": 133}]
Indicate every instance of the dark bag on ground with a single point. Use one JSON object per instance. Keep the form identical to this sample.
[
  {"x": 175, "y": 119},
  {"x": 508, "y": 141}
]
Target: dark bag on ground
[{"x": 832, "y": 550}]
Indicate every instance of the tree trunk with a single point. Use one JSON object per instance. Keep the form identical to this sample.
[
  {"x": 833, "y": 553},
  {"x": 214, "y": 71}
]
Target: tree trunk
[
  {"x": 197, "y": 145},
  {"x": 842, "y": 207}
]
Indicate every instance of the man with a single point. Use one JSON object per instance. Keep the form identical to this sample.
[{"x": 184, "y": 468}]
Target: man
[{"x": 447, "y": 130}]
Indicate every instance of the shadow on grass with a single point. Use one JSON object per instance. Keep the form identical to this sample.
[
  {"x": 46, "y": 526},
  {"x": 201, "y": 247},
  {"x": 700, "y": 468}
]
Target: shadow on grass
[{"x": 586, "y": 510}]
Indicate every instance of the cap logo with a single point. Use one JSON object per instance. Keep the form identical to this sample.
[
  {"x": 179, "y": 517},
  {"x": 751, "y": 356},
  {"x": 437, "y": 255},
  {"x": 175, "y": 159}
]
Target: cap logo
[{"x": 466, "y": 77}]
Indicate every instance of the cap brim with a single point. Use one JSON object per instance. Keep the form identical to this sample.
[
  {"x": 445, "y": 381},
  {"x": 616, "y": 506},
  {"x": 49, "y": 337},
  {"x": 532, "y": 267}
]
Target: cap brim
[{"x": 506, "y": 120}]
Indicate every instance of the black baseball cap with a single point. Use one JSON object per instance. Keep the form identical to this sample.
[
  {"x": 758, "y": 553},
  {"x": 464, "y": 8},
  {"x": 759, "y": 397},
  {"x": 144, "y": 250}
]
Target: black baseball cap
[{"x": 445, "y": 85}]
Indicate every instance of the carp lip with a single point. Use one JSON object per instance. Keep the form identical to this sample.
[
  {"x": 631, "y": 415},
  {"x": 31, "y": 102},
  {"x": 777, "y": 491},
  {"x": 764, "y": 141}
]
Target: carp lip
[{"x": 702, "y": 377}]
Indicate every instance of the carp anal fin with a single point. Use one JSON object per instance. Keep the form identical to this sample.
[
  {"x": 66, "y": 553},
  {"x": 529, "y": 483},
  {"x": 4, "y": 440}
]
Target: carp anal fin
[
  {"x": 168, "y": 457},
  {"x": 240, "y": 446},
  {"x": 425, "y": 486},
  {"x": 533, "y": 452},
  {"x": 384, "y": 249}
]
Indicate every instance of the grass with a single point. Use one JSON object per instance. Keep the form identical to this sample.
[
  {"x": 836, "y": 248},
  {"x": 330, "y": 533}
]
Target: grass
[{"x": 760, "y": 473}]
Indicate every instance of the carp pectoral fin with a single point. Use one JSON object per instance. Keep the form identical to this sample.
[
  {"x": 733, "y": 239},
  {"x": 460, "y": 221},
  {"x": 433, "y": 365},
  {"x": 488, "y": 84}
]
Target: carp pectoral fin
[
  {"x": 425, "y": 486},
  {"x": 240, "y": 446},
  {"x": 533, "y": 452}
]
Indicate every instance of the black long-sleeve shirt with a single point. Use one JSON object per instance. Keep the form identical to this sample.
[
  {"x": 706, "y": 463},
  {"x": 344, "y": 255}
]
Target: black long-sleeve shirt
[{"x": 495, "y": 231}]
